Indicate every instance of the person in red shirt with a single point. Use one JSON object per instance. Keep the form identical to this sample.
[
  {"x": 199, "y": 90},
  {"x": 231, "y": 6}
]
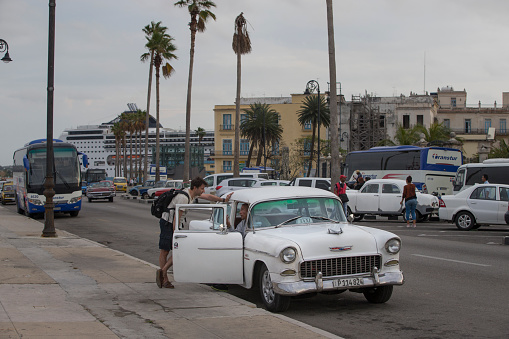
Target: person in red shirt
[
  {"x": 340, "y": 191},
  {"x": 410, "y": 201}
]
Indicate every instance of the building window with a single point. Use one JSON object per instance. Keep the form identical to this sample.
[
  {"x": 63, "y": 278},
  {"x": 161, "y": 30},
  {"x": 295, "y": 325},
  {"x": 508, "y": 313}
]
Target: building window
[
  {"x": 275, "y": 148},
  {"x": 243, "y": 117},
  {"x": 244, "y": 146},
  {"x": 420, "y": 120},
  {"x": 503, "y": 126},
  {"x": 307, "y": 125},
  {"x": 227, "y": 121},
  {"x": 382, "y": 121},
  {"x": 406, "y": 121},
  {"x": 447, "y": 123},
  {"x": 307, "y": 147},
  {"x": 468, "y": 125},
  {"x": 227, "y": 146},
  {"x": 453, "y": 102},
  {"x": 487, "y": 125},
  {"x": 227, "y": 165}
]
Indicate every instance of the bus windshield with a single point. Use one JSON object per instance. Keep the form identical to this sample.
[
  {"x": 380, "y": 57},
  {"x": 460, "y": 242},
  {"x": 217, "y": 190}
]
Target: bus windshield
[{"x": 66, "y": 166}]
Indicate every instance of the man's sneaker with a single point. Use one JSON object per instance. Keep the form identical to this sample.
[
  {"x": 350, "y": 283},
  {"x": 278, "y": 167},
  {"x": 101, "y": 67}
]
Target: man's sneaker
[{"x": 220, "y": 287}]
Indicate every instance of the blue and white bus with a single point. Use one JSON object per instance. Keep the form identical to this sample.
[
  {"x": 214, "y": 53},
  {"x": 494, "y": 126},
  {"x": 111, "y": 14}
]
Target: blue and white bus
[
  {"x": 432, "y": 168},
  {"x": 163, "y": 173},
  {"x": 29, "y": 172}
]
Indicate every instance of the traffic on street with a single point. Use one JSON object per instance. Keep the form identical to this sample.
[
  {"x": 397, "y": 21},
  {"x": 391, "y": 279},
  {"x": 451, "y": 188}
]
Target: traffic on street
[{"x": 455, "y": 281}]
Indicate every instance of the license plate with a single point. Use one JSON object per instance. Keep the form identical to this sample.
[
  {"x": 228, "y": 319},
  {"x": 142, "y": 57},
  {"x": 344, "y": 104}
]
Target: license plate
[{"x": 347, "y": 282}]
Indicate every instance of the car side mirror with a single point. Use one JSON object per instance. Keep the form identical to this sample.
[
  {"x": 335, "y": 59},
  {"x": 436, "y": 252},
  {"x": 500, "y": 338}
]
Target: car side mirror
[
  {"x": 223, "y": 229},
  {"x": 350, "y": 218},
  {"x": 26, "y": 163}
]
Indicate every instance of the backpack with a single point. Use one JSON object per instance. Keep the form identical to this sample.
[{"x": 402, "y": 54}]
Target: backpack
[{"x": 160, "y": 205}]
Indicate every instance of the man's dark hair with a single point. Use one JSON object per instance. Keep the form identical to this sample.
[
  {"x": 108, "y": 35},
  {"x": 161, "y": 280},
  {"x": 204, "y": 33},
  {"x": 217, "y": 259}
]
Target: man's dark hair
[
  {"x": 197, "y": 182},
  {"x": 409, "y": 178},
  {"x": 485, "y": 176}
]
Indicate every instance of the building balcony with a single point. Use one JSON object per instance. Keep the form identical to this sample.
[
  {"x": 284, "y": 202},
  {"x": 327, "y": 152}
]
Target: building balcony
[
  {"x": 230, "y": 127},
  {"x": 478, "y": 131}
]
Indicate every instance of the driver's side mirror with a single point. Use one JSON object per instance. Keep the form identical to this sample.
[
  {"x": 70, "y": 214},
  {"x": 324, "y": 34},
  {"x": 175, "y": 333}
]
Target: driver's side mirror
[
  {"x": 26, "y": 163},
  {"x": 223, "y": 229},
  {"x": 350, "y": 218}
]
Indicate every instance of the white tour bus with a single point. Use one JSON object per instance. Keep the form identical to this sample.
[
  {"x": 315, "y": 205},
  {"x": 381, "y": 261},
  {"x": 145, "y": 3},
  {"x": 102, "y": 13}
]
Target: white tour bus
[{"x": 470, "y": 174}]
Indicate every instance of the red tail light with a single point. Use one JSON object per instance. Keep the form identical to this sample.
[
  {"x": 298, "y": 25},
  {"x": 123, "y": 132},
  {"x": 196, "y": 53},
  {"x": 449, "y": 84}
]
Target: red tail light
[
  {"x": 218, "y": 187},
  {"x": 441, "y": 203}
]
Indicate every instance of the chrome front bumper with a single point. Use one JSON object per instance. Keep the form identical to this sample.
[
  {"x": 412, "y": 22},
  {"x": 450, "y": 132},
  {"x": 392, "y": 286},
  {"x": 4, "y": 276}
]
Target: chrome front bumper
[{"x": 319, "y": 284}]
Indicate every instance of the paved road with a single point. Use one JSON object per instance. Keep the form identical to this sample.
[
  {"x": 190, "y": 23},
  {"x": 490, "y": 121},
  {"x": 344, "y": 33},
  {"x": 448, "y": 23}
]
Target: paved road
[{"x": 456, "y": 282}]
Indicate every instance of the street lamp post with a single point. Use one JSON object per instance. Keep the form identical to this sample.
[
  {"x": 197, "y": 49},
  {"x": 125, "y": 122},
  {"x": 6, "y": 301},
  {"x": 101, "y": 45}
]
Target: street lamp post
[
  {"x": 49, "y": 184},
  {"x": 4, "y": 47},
  {"x": 343, "y": 137},
  {"x": 310, "y": 88}
]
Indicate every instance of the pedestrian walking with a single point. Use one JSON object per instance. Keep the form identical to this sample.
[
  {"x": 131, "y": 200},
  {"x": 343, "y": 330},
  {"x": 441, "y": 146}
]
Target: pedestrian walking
[
  {"x": 410, "y": 198},
  {"x": 340, "y": 191},
  {"x": 169, "y": 220}
]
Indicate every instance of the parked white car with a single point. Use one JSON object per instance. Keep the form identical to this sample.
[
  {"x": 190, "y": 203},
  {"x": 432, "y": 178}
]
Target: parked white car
[
  {"x": 234, "y": 184},
  {"x": 475, "y": 206},
  {"x": 297, "y": 242},
  {"x": 169, "y": 184},
  {"x": 269, "y": 183},
  {"x": 383, "y": 196}
]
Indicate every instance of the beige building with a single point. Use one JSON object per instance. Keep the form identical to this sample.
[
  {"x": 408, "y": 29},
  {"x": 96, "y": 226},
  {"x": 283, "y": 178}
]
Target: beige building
[
  {"x": 479, "y": 127},
  {"x": 287, "y": 107}
]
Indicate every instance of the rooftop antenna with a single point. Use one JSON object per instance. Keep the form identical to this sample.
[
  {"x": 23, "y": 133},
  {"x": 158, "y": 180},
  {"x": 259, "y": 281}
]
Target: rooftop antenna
[{"x": 132, "y": 107}]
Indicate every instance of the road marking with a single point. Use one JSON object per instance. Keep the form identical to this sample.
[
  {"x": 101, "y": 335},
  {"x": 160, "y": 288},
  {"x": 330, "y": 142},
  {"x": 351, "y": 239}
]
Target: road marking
[{"x": 457, "y": 261}]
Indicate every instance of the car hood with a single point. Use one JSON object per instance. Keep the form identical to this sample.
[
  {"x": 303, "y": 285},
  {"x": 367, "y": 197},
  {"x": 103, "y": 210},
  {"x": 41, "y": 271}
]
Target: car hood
[
  {"x": 99, "y": 189},
  {"x": 324, "y": 240}
]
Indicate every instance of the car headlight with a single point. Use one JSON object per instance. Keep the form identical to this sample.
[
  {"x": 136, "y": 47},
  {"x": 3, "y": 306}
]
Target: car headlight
[
  {"x": 74, "y": 200},
  {"x": 288, "y": 255},
  {"x": 393, "y": 245},
  {"x": 35, "y": 202}
]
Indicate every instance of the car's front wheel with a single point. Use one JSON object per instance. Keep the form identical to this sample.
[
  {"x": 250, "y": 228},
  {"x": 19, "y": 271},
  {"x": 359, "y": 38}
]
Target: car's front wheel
[
  {"x": 378, "y": 295},
  {"x": 273, "y": 302},
  {"x": 356, "y": 217},
  {"x": 144, "y": 195},
  {"x": 465, "y": 221},
  {"x": 74, "y": 213}
]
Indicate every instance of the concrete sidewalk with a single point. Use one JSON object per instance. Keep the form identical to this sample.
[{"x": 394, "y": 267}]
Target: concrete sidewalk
[{"x": 72, "y": 287}]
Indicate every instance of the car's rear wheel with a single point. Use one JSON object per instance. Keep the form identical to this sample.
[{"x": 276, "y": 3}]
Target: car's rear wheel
[
  {"x": 465, "y": 221},
  {"x": 133, "y": 192},
  {"x": 378, "y": 295},
  {"x": 144, "y": 195},
  {"x": 273, "y": 302}
]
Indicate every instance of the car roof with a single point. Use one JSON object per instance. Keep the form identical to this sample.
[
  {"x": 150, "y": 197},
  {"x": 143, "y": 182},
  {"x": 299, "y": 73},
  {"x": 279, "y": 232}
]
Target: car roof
[
  {"x": 377, "y": 181},
  {"x": 255, "y": 195}
]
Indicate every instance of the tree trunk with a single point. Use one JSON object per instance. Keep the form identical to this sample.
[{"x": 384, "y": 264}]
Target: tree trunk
[
  {"x": 130, "y": 154},
  {"x": 187, "y": 151},
  {"x": 125, "y": 155},
  {"x": 312, "y": 149},
  {"x": 250, "y": 154},
  {"x": 147, "y": 117},
  {"x": 259, "y": 157},
  {"x": 157, "y": 127},
  {"x": 335, "y": 128},
  {"x": 236, "y": 146}
]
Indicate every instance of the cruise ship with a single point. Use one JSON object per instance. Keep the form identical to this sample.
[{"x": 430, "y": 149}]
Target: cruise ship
[{"x": 98, "y": 143}]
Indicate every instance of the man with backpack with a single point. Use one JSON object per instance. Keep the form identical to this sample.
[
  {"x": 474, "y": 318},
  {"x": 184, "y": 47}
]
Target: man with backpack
[{"x": 168, "y": 221}]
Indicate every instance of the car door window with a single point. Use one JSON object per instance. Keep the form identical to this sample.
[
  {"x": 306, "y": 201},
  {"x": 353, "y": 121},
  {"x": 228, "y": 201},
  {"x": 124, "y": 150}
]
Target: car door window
[
  {"x": 306, "y": 183},
  {"x": 484, "y": 193},
  {"x": 390, "y": 189},
  {"x": 504, "y": 194},
  {"x": 370, "y": 188},
  {"x": 323, "y": 184}
]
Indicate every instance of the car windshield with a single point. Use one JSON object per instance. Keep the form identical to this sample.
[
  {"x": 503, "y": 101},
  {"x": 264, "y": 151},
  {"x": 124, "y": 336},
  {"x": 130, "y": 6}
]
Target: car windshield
[
  {"x": 8, "y": 188},
  {"x": 120, "y": 181},
  {"x": 296, "y": 211},
  {"x": 101, "y": 184}
]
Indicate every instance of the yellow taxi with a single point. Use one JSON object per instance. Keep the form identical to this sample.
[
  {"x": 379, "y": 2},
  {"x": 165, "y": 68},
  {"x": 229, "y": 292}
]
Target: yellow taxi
[
  {"x": 8, "y": 193},
  {"x": 120, "y": 184}
]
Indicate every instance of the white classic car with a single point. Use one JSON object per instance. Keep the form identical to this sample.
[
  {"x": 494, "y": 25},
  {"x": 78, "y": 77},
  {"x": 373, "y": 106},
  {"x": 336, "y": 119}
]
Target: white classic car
[
  {"x": 383, "y": 196},
  {"x": 297, "y": 242}
]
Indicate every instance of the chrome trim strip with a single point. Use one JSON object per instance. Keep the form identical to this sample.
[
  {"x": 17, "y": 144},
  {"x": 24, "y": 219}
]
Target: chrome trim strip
[
  {"x": 220, "y": 249},
  {"x": 262, "y": 252}
]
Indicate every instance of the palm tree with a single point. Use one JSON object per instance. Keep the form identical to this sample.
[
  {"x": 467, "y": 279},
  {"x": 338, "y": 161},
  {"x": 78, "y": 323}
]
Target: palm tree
[
  {"x": 163, "y": 47},
  {"x": 437, "y": 132},
  {"x": 405, "y": 136},
  {"x": 124, "y": 125},
  {"x": 309, "y": 113},
  {"x": 500, "y": 152},
  {"x": 200, "y": 13},
  {"x": 149, "y": 30},
  {"x": 261, "y": 127},
  {"x": 117, "y": 131},
  {"x": 241, "y": 45},
  {"x": 200, "y": 132},
  {"x": 139, "y": 126}
]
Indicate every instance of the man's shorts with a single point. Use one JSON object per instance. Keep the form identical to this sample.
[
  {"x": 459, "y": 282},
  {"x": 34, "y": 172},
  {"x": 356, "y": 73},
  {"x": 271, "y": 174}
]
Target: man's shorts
[{"x": 166, "y": 235}]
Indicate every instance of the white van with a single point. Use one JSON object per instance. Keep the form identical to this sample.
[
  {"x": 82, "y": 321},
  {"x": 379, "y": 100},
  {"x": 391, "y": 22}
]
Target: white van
[
  {"x": 323, "y": 183},
  {"x": 213, "y": 180}
]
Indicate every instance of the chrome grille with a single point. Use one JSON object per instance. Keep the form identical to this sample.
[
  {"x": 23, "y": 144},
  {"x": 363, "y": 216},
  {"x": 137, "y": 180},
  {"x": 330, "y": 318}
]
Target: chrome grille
[
  {"x": 339, "y": 266},
  {"x": 61, "y": 202}
]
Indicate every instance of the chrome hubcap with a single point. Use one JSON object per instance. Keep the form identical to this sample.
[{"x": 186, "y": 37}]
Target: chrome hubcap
[{"x": 267, "y": 290}]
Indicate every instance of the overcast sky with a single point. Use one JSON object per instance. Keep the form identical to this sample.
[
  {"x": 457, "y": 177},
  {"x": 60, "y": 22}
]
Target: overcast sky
[{"x": 380, "y": 48}]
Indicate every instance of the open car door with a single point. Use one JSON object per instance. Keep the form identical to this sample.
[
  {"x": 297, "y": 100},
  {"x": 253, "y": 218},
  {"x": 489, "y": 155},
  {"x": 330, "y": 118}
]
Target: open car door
[{"x": 203, "y": 250}]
